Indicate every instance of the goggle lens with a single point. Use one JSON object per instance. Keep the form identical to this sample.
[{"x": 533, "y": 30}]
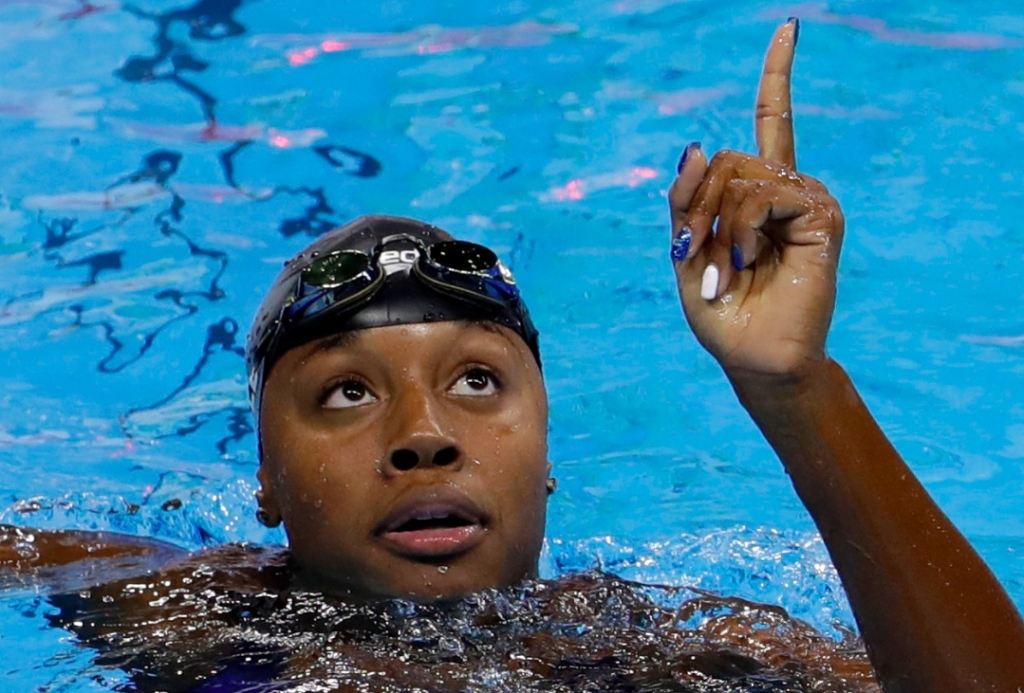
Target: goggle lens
[
  {"x": 462, "y": 256},
  {"x": 336, "y": 269}
]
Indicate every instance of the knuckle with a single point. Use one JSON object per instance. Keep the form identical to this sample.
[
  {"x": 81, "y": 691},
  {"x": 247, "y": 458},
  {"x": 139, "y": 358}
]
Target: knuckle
[
  {"x": 725, "y": 158},
  {"x": 769, "y": 109},
  {"x": 819, "y": 196},
  {"x": 813, "y": 183},
  {"x": 837, "y": 217},
  {"x": 739, "y": 189}
]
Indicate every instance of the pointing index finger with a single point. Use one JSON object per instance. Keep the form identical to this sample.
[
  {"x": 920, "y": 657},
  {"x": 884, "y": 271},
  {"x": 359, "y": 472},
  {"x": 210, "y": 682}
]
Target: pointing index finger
[{"x": 773, "y": 116}]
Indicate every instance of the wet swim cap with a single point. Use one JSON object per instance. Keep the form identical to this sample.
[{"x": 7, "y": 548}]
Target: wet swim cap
[{"x": 378, "y": 271}]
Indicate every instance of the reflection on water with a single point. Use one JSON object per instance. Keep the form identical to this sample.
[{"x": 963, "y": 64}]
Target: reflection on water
[{"x": 588, "y": 631}]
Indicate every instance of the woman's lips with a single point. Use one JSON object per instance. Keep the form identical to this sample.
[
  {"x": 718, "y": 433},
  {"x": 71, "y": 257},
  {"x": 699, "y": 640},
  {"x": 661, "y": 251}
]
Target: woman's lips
[{"x": 433, "y": 522}]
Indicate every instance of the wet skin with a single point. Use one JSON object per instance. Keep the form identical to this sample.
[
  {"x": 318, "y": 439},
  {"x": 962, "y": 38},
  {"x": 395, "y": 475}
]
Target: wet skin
[{"x": 408, "y": 460}]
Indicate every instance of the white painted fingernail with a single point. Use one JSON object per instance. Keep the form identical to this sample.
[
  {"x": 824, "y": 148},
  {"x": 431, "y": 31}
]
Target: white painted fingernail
[{"x": 709, "y": 283}]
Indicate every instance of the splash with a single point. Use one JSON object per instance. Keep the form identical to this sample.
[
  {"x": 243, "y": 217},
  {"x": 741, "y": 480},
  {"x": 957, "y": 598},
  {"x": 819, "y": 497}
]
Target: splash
[{"x": 587, "y": 631}]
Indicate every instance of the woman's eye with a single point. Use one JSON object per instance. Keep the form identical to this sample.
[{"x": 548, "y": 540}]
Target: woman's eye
[
  {"x": 349, "y": 393},
  {"x": 477, "y": 382}
]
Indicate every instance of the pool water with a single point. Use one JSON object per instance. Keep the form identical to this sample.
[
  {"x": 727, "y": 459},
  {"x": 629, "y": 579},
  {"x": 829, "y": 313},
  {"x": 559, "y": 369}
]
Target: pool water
[{"x": 162, "y": 159}]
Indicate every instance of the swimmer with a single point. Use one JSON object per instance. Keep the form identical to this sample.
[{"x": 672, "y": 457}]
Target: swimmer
[{"x": 397, "y": 385}]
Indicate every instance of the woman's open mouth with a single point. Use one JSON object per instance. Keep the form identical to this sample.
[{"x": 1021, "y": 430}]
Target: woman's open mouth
[{"x": 433, "y": 523}]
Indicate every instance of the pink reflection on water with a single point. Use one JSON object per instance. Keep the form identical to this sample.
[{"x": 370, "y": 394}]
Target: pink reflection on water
[
  {"x": 128, "y": 449},
  {"x": 301, "y": 49},
  {"x": 86, "y": 9},
  {"x": 433, "y": 48},
  {"x": 215, "y": 132},
  {"x": 329, "y": 46},
  {"x": 573, "y": 190},
  {"x": 301, "y": 57},
  {"x": 71, "y": 9},
  {"x": 579, "y": 188},
  {"x": 640, "y": 174}
]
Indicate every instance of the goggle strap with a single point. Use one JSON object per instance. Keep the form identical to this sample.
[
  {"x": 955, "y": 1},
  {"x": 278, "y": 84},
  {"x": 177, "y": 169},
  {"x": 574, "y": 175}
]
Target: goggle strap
[{"x": 447, "y": 287}]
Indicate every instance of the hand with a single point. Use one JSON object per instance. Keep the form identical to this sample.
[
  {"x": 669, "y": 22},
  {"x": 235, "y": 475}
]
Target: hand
[{"x": 759, "y": 291}]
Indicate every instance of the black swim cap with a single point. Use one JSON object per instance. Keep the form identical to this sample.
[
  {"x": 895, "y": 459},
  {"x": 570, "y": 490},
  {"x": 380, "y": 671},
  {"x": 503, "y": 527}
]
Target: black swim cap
[{"x": 401, "y": 299}]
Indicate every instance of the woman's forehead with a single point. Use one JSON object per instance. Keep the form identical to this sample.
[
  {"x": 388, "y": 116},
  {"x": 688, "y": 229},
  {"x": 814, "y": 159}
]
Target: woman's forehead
[{"x": 396, "y": 340}]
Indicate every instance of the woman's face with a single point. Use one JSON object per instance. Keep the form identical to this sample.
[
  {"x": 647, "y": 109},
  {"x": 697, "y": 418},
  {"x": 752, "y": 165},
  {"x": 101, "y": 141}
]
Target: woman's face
[{"x": 409, "y": 460}]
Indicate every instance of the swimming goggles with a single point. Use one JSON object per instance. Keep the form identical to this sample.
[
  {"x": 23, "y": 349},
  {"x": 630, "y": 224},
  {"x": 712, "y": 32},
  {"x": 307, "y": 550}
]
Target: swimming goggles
[{"x": 342, "y": 280}]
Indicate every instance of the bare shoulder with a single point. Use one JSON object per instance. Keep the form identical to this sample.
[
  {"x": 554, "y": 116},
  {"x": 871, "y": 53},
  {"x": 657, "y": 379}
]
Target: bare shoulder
[
  {"x": 168, "y": 615},
  {"x": 57, "y": 559},
  {"x": 69, "y": 560}
]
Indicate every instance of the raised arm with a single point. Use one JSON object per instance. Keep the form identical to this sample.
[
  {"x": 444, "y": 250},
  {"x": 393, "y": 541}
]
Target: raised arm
[{"x": 759, "y": 293}]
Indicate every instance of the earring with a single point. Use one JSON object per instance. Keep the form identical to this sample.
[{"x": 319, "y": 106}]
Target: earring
[{"x": 552, "y": 484}]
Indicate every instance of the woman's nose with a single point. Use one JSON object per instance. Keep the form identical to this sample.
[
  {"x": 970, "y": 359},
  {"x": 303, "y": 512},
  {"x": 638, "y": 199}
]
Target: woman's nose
[
  {"x": 419, "y": 438},
  {"x": 407, "y": 458}
]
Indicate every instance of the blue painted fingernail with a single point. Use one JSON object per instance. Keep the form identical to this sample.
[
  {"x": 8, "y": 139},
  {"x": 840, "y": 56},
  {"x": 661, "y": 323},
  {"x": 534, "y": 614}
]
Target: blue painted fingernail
[
  {"x": 681, "y": 244},
  {"x": 692, "y": 146},
  {"x": 795, "y": 21},
  {"x": 737, "y": 258}
]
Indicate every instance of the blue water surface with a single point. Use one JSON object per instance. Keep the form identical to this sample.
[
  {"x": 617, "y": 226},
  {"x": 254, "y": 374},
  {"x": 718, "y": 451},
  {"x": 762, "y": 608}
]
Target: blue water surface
[{"x": 161, "y": 159}]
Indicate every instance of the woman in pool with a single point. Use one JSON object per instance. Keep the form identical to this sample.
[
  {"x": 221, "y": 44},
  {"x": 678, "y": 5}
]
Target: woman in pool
[{"x": 402, "y": 420}]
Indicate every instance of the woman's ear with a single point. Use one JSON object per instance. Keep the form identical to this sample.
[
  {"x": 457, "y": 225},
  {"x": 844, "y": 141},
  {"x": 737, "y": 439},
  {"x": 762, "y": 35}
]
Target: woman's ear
[{"x": 268, "y": 513}]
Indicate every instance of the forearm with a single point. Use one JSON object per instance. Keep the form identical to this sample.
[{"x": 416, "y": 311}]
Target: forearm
[{"x": 933, "y": 616}]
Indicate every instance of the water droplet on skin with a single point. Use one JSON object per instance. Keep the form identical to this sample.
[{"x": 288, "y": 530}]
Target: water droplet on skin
[{"x": 443, "y": 569}]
